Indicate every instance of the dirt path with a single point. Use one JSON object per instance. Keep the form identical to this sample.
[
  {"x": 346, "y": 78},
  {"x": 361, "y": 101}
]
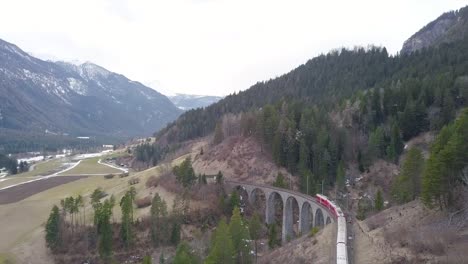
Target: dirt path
[{"x": 112, "y": 166}]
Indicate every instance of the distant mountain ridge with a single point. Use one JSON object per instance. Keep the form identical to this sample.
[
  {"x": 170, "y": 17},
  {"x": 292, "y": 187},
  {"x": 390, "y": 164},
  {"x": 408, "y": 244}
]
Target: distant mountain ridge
[
  {"x": 191, "y": 101},
  {"x": 86, "y": 99},
  {"x": 446, "y": 28}
]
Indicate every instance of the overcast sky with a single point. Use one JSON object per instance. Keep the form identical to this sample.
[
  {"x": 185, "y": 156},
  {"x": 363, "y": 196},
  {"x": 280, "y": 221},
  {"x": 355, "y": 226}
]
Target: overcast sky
[{"x": 212, "y": 47}]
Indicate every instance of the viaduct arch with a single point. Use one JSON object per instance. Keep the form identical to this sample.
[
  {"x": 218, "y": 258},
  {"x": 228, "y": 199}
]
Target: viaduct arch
[{"x": 311, "y": 213}]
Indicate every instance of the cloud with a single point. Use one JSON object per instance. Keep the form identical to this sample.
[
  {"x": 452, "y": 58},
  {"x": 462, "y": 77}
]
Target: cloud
[{"x": 208, "y": 46}]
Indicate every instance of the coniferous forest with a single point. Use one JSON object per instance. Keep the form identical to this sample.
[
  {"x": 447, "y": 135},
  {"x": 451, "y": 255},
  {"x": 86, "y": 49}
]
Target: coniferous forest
[{"x": 355, "y": 105}]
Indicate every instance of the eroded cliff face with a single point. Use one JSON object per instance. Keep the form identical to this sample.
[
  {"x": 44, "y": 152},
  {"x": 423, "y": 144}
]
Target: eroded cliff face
[{"x": 446, "y": 28}]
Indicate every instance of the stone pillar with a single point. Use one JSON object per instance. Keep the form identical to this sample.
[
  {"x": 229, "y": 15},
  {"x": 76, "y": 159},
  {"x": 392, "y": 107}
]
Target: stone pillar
[
  {"x": 304, "y": 220},
  {"x": 287, "y": 230},
  {"x": 270, "y": 207},
  {"x": 251, "y": 195},
  {"x": 300, "y": 217}
]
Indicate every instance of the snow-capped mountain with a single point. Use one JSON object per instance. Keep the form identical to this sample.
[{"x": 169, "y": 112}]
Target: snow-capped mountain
[
  {"x": 37, "y": 95},
  {"x": 190, "y": 101}
]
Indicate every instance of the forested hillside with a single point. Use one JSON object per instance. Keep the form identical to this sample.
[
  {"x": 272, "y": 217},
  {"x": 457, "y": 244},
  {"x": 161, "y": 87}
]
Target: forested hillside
[
  {"x": 355, "y": 105},
  {"x": 328, "y": 80}
]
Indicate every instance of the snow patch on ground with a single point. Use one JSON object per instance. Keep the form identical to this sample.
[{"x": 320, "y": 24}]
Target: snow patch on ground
[{"x": 77, "y": 86}]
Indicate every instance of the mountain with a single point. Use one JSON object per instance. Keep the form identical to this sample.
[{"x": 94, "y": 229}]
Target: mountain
[
  {"x": 77, "y": 100},
  {"x": 328, "y": 80},
  {"x": 344, "y": 112},
  {"x": 190, "y": 101},
  {"x": 448, "y": 27}
]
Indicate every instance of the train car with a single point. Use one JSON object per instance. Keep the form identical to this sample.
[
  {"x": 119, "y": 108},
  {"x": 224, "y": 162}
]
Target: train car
[
  {"x": 341, "y": 236},
  {"x": 323, "y": 200},
  {"x": 341, "y": 254},
  {"x": 341, "y": 230}
]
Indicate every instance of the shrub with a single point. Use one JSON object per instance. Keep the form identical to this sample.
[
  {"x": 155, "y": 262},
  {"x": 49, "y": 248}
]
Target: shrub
[
  {"x": 134, "y": 181},
  {"x": 152, "y": 181},
  {"x": 143, "y": 202},
  {"x": 314, "y": 231},
  {"x": 123, "y": 175},
  {"x": 109, "y": 176}
]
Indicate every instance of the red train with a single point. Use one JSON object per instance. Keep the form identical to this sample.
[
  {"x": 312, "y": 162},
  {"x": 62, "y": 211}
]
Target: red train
[
  {"x": 331, "y": 206},
  {"x": 341, "y": 234}
]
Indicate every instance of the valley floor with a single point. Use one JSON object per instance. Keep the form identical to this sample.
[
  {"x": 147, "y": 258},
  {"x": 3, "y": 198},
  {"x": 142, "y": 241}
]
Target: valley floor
[{"x": 22, "y": 220}]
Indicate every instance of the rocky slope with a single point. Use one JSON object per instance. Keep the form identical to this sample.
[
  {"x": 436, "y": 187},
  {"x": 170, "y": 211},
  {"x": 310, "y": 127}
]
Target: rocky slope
[
  {"x": 86, "y": 99},
  {"x": 448, "y": 27}
]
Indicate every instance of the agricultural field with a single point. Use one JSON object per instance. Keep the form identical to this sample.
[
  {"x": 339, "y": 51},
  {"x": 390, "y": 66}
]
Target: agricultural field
[
  {"x": 23, "y": 242},
  {"x": 19, "y": 192},
  {"x": 12, "y": 180},
  {"x": 91, "y": 166},
  {"x": 44, "y": 168}
]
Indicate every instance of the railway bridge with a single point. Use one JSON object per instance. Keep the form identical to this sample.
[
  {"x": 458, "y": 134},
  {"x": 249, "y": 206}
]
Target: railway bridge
[{"x": 311, "y": 213}]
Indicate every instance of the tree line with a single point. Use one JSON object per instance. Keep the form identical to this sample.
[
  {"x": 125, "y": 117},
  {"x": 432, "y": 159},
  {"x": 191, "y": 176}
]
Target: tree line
[
  {"x": 12, "y": 165},
  {"x": 68, "y": 223}
]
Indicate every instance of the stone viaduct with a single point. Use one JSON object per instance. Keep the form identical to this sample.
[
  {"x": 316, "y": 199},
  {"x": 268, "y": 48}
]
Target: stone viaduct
[{"x": 311, "y": 213}]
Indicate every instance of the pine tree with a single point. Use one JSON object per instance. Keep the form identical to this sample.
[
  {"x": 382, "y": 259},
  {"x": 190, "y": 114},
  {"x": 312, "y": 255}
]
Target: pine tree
[
  {"x": 126, "y": 231},
  {"x": 147, "y": 260},
  {"x": 395, "y": 148},
  {"x": 184, "y": 255},
  {"x": 184, "y": 173},
  {"x": 79, "y": 203},
  {"x": 376, "y": 107},
  {"x": 219, "y": 177},
  {"x": 175, "y": 233},
  {"x": 446, "y": 162},
  {"x": 340, "y": 176},
  {"x": 273, "y": 239},
  {"x": 255, "y": 229},
  {"x": 52, "y": 229},
  {"x": 377, "y": 145},
  {"x": 304, "y": 156},
  {"x": 204, "y": 181},
  {"x": 432, "y": 183},
  {"x": 218, "y": 134},
  {"x": 447, "y": 112},
  {"x": 222, "y": 250},
  {"x": 379, "y": 203},
  {"x": 234, "y": 201},
  {"x": 361, "y": 162},
  {"x": 407, "y": 184},
  {"x": 280, "y": 181},
  {"x": 240, "y": 237},
  {"x": 158, "y": 220},
  {"x": 105, "y": 235}
]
